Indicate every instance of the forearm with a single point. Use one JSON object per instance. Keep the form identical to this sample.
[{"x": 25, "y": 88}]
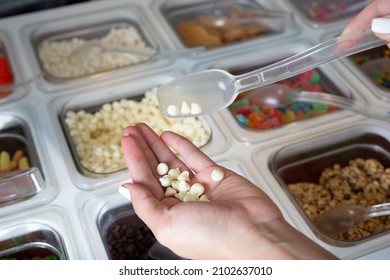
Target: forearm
[{"x": 278, "y": 240}]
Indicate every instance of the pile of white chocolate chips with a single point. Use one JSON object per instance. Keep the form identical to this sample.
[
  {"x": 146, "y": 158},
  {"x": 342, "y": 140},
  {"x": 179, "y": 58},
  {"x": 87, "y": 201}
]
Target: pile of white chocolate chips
[
  {"x": 97, "y": 136},
  {"x": 176, "y": 183},
  {"x": 56, "y": 55}
]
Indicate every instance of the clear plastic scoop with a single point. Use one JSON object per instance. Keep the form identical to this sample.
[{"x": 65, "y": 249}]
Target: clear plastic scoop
[
  {"x": 91, "y": 50},
  {"x": 212, "y": 90},
  {"x": 345, "y": 216}
]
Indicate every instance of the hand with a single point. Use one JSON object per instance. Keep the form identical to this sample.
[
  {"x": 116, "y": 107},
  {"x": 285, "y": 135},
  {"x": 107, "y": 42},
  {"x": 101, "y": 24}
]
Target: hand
[
  {"x": 376, "y": 15},
  {"x": 239, "y": 222}
]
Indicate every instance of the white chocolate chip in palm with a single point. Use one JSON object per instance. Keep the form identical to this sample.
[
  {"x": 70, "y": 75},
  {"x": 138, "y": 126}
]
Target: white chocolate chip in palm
[
  {"x": 177, "y": 184},
  {"x": 184, "y": 176},
  {"x": 174, "y": 173},
  {"x": 162, "y": 169},
  {"x": 217, "y": 175},
  {"x": 166, "y": 181},
  {"x": 197, "y": 189}
]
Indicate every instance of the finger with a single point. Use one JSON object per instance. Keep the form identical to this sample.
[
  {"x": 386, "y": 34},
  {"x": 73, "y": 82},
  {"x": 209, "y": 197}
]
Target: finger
[
  {"x": 138, "y": 164},
  {"x": 146, "y": 205},
  {"x": 143, "y": 144},
  {"x": 191, "y": 154},
  {"x": 162, "y": 152},
  {"x": 362, "y": 21}
]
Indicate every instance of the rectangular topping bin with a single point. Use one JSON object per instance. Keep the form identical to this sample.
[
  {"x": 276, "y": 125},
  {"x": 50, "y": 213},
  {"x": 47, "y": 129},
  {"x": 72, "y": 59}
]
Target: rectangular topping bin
[
  {"x": 348, "y": 166},
  {"x": 20, "y": 170},
  {"x": 31, "y": 241},
  {"x": 116, "y": 232},
  {"x": 262, "y": 117},
  {"x": 94, "y": 130},
  {"x": 252, "y": 123},
  {"x": 59, "y": 60},
  {"x": 214, "y": 24},
  {"x": 124, "y": 235}
]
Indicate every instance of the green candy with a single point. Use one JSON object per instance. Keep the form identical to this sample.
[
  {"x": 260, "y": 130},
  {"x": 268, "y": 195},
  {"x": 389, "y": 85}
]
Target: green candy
[
  {"x": 255, "y": 109},
  {"x": 320, "y": 107},
  {"x": 51, "y": 257},
  {"x": 315, "y": 78},
  {"x": 244, "y": 102}
]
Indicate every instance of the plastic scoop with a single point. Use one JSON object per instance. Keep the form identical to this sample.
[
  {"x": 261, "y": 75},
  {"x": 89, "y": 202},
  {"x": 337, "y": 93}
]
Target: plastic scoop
[
  {"x": 91, "y": 50},
  {"x": 345, "y": 216},
  {"x": 213, "y": 90},
  {"x": 278, "y": 95}
]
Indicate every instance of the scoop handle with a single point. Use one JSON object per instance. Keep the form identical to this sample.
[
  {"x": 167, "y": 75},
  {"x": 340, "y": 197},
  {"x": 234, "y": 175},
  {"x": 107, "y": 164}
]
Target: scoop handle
[
  {"x": 378, "y": 210},
  {"x": 345, "y": 103},
  {"x": 327, "y": 51}
]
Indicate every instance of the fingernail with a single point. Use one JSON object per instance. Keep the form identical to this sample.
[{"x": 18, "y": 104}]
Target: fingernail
[
  {"x": 124, "y": 192},
  {"x": 381, "y": 25}
]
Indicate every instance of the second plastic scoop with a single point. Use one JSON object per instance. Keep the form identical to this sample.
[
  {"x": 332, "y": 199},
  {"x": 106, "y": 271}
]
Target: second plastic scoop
[
  {"x": 90, "y": 50},
  {"x": 345, "y": 216},
  {"x": 278, "y": 95},
  {"x": 216, "y": 89}
]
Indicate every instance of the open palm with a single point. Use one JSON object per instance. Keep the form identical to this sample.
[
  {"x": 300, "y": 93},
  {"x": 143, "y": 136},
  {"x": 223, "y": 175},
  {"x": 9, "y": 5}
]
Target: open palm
[{"x": 236, "y": 215}]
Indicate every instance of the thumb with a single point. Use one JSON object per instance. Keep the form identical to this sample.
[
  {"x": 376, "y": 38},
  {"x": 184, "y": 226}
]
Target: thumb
[{"x": 147, "y": 207}]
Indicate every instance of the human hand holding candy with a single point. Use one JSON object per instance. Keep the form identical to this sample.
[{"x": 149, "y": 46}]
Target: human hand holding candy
[{"x": 238, "y": 221}]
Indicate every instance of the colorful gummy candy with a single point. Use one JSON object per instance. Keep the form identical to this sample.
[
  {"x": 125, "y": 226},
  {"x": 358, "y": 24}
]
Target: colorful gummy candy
[
  {"x": 380, "y": 76},
  {"x": 265, "y": 117}
]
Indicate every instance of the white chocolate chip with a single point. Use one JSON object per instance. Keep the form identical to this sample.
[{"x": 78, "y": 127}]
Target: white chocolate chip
[
  {"x": 175, "y": 184},
  {"x": 165, "y": 181},
  {"x": 173, "y": 110},
  {"x": 162, "y": 168},
  {"x": 190, "y": 197},
  {"x": 217, "y": 175},
  {"x": 184, "y": 176},
  {"x": 183, "y": 186},
  {"x": 185, "y": 108},
  {"x": 174, "y": 173},
  {"x": 170, "y": 192},
  {"x": 195, "y": 109},
  {"x": 197, "y": 189},
  {"x": 180, "y": 195}
]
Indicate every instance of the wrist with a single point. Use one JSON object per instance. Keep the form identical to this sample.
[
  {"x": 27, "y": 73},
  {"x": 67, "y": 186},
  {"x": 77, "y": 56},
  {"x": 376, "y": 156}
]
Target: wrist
[{"x": 277, "y": 240}]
